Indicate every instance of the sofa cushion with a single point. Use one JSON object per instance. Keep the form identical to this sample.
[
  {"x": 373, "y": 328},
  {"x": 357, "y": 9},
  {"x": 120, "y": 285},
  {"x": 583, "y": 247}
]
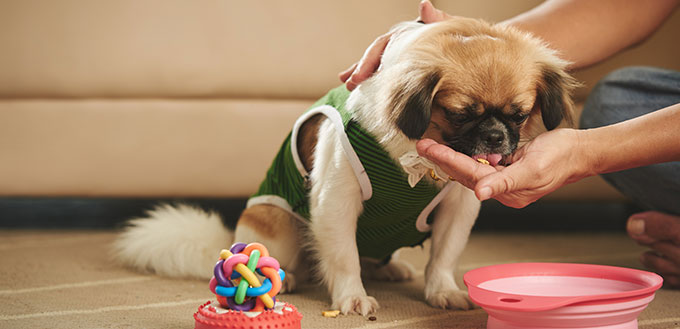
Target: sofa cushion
[{"x": 140, "y": 147}]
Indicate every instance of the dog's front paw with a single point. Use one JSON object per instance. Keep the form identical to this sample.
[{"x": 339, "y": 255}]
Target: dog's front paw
[
  {"x": 451, "y": 299},
  {"x": 360, "y": 304}
]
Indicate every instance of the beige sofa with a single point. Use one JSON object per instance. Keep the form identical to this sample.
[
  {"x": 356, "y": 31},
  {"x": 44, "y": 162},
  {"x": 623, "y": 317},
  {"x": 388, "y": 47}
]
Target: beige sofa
[{"x": 192, "y": 98}]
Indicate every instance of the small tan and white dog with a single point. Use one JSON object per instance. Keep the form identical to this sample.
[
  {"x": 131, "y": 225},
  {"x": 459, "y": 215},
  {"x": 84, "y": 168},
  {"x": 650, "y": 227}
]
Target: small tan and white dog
[{"x": 357, "y": 188}]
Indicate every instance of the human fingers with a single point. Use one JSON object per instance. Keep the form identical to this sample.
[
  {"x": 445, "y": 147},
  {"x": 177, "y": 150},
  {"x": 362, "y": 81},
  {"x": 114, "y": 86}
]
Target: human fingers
[
  {"x": 369, "y": 62},
  {"x": 459, "y": 166},
  {"x": 665, "y": 267},
  {"x": 344, "y": 75},
  {"x": 668, "y": 250},
  {"x": 672, "y": 280},
  {"x": 511, "y": 180},
  {"x": 430, "y": 14},
  {"x": 660, "y": 264},
  {"x": 653, "y": 226},
  {"x": 424, "y": 144},
  {"x": 516, "y": 200}
]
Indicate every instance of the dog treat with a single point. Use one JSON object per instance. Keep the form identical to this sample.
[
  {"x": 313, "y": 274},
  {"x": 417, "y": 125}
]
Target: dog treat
[
  {"x": 484, "y": 161},
  {"x": 434, "y": 176},
  {"x": 372, "y": 318},
  {"x": 330, "y": 314}
]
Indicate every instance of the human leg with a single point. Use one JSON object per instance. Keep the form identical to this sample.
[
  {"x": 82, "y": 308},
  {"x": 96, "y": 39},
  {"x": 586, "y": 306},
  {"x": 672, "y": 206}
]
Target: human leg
[{"x": 622, "y": 95}]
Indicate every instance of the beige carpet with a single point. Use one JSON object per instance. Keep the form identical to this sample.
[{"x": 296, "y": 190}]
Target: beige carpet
[{"x": 65, "y": 280}]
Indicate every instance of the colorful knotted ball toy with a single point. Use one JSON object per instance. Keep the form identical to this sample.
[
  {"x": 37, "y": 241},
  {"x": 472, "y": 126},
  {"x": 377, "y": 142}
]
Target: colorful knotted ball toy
[{"x": 236, "y": 284}]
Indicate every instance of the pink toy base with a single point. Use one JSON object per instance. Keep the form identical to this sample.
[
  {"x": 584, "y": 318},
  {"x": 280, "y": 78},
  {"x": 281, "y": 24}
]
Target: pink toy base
[{"x": 211, "y": 316}]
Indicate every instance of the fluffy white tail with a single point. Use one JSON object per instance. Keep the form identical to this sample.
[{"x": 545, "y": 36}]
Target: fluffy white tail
[{"x": 180, "y": 241}]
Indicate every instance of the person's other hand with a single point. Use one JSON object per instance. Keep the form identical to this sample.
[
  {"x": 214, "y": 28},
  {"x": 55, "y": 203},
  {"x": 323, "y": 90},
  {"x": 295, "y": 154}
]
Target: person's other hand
[
  {"x": 551, "y": 160},
  {"x": 661, "y": 232},
  {"x": 370, "y": 61}
]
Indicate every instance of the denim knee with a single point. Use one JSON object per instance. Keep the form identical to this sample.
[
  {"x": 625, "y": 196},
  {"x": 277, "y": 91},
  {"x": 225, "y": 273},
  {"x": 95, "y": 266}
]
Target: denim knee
[
  {"x": 628, "y": 93},
  {"x": 625, "y": 94}
]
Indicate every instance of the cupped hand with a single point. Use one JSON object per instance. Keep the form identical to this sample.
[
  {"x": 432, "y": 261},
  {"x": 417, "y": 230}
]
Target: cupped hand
[
  {"x": 370, "y": 61},
  {"x": 551, "y": 160}
]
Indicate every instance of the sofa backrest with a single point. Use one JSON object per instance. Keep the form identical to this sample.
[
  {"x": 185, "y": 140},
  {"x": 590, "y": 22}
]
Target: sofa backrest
[{"x": 223, "y": 49}]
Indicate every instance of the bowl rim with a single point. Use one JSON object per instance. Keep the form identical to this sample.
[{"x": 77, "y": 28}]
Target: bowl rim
[{"x": 649, "y": 281}]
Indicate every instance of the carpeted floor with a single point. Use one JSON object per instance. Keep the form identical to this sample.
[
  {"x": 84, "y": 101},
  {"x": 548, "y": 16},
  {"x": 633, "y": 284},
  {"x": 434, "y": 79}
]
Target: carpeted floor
[{"x": 65, "y": 279}]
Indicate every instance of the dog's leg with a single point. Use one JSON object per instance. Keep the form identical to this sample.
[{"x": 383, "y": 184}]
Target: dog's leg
[
  {"x": 280, "y": 232},
  {"x": 396, "y": 270},
  {"x": 454, "y": 219},
  {"x": 335, "y": 205}
]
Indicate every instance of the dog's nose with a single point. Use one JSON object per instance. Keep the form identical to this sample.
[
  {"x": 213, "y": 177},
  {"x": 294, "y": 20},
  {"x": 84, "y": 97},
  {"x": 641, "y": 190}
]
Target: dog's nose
[{"x": 493, "y": 138}]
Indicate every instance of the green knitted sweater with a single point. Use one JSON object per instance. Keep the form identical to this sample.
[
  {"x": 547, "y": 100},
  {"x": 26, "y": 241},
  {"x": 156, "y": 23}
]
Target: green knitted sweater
[{"x": 389, "y": 216}]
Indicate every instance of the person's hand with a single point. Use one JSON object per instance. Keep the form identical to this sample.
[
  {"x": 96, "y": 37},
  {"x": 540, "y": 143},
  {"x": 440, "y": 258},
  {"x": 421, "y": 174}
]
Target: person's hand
[
  {"x": 551, "y": 160},
  {"x": 660, "y": 232},
  {"x": 458, "y": 166},
  {"x": 370, "y": 61}
]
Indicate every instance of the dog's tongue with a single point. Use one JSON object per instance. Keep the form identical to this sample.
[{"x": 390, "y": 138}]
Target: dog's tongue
[{"x": 493, "y": 158}]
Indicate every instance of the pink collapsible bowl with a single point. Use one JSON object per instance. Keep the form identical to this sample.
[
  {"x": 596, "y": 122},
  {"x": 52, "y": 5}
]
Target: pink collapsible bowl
[{"x": 557, "y": 295}]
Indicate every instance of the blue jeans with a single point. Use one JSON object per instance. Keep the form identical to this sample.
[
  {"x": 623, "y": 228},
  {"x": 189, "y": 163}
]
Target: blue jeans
[{"x": 629, "y": 93}]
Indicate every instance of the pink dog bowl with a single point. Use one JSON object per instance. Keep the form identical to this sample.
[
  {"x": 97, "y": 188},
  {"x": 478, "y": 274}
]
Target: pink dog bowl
[{"x": 553, "y": 295}]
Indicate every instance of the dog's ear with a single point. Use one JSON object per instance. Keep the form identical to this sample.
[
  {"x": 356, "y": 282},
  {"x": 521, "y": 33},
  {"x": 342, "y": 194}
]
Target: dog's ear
[
  {"x": 553, "y": 96},
  {"x": 412, "y": 102}
]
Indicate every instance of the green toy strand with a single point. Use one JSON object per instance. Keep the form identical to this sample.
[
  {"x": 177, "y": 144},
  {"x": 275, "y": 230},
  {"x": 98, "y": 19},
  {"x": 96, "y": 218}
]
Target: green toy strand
[{"x": 243, "y": 285}]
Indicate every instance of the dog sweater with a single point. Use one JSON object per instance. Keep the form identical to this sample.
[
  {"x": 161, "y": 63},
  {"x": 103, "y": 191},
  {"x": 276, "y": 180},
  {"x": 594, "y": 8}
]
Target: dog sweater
[{"x": 391, "y": 206}]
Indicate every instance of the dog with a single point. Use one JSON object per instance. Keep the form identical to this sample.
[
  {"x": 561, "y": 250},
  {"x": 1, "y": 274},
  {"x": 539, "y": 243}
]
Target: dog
[{"x": 347, "y": 188}]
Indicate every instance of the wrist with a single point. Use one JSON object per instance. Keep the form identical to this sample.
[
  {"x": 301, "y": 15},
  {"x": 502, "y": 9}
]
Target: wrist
[
  {"x": 588, "y": 155},
  {"x": 585, "y": 158}
]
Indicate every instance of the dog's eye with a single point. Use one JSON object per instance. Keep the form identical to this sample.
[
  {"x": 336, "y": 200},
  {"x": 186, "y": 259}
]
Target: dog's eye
[
  {"x": 519, "y": 117},
  {"x": 458, "y": 118}
]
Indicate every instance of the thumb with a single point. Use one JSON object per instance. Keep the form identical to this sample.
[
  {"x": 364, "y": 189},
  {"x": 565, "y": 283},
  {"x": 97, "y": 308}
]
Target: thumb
[{"x": 654, "y": 227}]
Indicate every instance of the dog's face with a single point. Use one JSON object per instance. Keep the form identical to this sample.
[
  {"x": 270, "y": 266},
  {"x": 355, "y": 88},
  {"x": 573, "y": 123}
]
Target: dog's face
[{"x": 478, "y": 88}]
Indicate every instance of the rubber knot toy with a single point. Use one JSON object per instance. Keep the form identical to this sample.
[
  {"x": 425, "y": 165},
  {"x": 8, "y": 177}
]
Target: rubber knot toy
[{"x": 236, "y": 281}]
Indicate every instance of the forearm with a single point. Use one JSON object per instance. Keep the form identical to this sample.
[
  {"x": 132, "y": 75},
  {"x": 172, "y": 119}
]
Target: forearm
[
  {"x": 645, "y": 140},
  {"x": 586, "y": 32}
]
